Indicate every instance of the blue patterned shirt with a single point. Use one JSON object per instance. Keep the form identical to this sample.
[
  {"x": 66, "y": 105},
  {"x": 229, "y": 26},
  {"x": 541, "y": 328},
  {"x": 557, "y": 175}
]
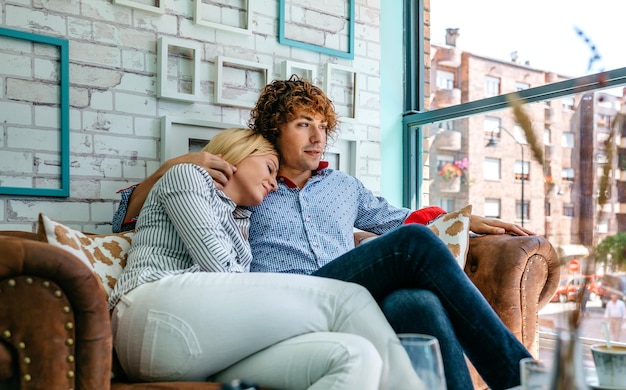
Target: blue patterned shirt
[{"x": 300, "y": 230}]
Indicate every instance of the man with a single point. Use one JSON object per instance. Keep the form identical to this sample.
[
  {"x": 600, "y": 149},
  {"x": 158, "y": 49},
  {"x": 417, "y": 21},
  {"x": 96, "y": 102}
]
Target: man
[
  {"x": 614, "y": 314},
  {"x": 306, "y": 227}
]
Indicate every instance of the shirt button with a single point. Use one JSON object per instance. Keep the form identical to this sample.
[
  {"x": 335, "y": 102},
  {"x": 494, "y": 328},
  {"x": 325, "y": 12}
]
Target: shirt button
[
  {"x": 307, "y": 219},
  {"x": 314, "y": 244}
]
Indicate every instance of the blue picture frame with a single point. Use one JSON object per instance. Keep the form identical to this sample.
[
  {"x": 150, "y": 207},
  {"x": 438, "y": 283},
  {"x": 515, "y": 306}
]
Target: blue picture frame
[
  {"x": 349, "y": 54},
  {"x": 64, "y": 131}
]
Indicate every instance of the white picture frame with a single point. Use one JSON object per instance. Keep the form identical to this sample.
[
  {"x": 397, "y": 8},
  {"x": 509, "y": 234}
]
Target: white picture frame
[
  {"x": 158, "y": 8},
  {"x": 248, "y": 94},
  {"x": 178, "y": 133},
  {"x": 341, "y": 84},
  {"x": 168, "y": 87},
  {"x": 247, "y": 21},
  {"x": 306, "y": 71},
  {"x": 342, "y": 154}
]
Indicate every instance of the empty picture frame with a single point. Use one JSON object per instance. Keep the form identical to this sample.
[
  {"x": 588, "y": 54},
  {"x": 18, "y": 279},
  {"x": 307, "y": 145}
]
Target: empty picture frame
[
  {"x": 183, "y": 135},
  {"x": 246, "y": 79},
  {"x": 299, "y": 26},
  {"x": 35, "y": 161},
  {"x": 305, "y": 71},
  {"x": 156, "y": 6},
  {"x": 342, "y": 155},
  {"x": 178, "y": 69},
  {"x": 229, "y": 15},
  {"x": 341, "y": 85}
]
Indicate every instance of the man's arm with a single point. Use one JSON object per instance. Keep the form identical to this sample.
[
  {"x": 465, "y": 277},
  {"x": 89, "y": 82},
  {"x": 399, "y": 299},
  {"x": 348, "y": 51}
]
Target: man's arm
[{"x": 220, "y": 171}]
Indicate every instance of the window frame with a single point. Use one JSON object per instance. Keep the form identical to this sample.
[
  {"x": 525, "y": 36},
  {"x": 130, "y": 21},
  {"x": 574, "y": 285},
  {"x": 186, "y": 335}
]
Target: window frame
[{"x": 416, "y": 116}]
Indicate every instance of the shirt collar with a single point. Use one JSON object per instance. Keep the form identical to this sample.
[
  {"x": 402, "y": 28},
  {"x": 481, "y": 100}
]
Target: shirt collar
[{"x": 322, "y": 165}]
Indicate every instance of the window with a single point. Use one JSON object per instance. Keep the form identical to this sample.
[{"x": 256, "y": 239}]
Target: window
[
  {"x": 547, "y": 136},
  {"x": 519, "y": 135},
  {"x": 521, "y": 170},
  {"x": 568, "y": 210},
  {"x": 567, "y": 174},
  {"x": 492, "y": 86},
  {"x": 445, "y": 79},
  {"x": 442, "y": 159},
  {"x": 548, "y": 209},
  {"x": 521, "y": 86},
  {"x": 491, "y": 169},
  {"x": 519, "y": 214},
  {"x": 603, "y": 226},
  {"x": 447, "y": 204},
  {"x": 567, "y": 140},
  {"x": 491, "y": 126},
  {"x": 604, "y": 120},
  {"x": 568, "y": 103},
  {"x": 492, "y": 208}
]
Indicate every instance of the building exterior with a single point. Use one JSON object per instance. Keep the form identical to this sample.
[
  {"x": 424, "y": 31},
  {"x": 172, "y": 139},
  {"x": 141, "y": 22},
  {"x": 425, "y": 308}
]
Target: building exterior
[{"x": 499, "y": 174}]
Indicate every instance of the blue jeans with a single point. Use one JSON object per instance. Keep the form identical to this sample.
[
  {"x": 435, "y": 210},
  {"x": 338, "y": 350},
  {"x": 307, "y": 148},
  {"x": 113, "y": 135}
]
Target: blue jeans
[{"x": 421, "y": 289}]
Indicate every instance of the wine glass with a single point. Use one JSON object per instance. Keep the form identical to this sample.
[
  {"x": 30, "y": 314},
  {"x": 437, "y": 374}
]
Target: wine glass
[{"x": 426, "y": 359}]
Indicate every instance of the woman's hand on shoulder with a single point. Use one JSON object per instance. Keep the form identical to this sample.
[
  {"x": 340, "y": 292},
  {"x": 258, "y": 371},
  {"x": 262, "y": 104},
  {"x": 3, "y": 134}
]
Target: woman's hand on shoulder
[
  {"x": 484, "y": 225},
  {"x": 220, "y": 170}
]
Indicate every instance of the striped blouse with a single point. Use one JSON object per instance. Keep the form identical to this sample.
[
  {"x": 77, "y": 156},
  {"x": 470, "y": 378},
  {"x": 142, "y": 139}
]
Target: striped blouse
[{"x": 185, "y": 225}]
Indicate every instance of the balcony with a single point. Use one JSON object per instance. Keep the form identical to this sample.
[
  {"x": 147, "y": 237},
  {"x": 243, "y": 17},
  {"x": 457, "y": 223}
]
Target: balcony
[
  {"x": 448, "y": 140},
  {"x": 448, "y": 56},
  {"x": 446, "y": 97}
]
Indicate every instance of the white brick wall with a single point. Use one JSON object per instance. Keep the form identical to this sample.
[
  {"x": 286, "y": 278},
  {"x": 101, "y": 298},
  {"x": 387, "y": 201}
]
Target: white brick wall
[{"x": 115, "y": 116}]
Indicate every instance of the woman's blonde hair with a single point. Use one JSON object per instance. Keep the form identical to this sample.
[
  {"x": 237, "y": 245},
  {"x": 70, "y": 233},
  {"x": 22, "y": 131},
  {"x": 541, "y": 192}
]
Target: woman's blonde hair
[{"x": 235, "y": 144}]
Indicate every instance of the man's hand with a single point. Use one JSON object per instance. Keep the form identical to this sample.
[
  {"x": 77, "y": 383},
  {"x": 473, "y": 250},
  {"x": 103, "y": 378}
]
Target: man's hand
[
  {"x": 483, "y": 225},
  {"x": 220, "y": 170}
]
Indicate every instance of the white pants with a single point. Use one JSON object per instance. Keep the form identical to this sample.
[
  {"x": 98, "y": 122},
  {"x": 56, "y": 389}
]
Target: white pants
[{"x": 280, "y": 331}]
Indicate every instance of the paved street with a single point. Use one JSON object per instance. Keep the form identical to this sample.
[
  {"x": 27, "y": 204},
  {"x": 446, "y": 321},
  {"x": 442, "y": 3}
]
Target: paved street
[{"x": 553, "y": 317}]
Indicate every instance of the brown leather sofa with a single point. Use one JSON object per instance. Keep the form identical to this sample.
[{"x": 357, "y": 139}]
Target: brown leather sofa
[{"x": 55, "y": 329}]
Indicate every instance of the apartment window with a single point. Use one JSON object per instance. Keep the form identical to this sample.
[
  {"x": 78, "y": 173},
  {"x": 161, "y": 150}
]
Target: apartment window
[
  {"x": 604, "y": 121},
  {"x": 568, "y": 210},
  {"x": 521, "y": 86},
  {"x": 491, "y": 169},
  {"x": 491, "y": 126},
  {"x": 447, "y": 204},
  {"x": 519, "y": 211},
  {"x": 568, "y": 103},
  {"x": 567, "y": 174},
  {"x": 442, "y": 159},
  {"x": 547, "y": 136},
  {"x": 492, "y": 86},
  {"x": 567, "y": 140},
  {"x": 603, "y": 226},
  {"x": 621, "y": 159},
  {"x": 521, "y": 170},
  {"x": 445, "y": 79},
  {"x": 519, "y": 135},
  {"x": 492, "y": 208}
]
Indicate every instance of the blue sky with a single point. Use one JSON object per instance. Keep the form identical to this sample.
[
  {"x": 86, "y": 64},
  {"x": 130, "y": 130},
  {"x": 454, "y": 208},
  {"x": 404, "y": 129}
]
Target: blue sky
[{"x": 542, "y": 31}]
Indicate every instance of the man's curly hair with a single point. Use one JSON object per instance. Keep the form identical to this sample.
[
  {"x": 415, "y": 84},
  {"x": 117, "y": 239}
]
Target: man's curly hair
[{"x": 282, "y": 100}]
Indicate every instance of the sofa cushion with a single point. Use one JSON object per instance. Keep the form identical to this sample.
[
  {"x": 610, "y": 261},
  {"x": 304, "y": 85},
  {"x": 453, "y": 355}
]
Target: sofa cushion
[
  {"x": 105, "y": 254},
  {"x": 453, "y": 229}
]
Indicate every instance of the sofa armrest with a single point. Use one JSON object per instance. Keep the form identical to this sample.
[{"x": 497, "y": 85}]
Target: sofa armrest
[
  {"x": 55, "y": 322},
  {"x": 517, "y": 275}
]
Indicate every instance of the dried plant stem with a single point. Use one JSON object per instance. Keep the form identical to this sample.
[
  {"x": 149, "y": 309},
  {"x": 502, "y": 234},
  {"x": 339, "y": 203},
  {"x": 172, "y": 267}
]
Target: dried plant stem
[{"x": 522, "y": 118}]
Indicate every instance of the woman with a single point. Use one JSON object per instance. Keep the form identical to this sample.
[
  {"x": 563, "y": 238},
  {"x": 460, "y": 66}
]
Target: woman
[{"x": 186, "y": 308}]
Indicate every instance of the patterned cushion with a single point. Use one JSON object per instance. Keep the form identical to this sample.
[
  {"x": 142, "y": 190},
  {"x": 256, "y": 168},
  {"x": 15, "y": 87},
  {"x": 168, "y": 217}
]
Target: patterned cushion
[
  {"x": 453, "y": 229},
  {"x": 104, "y": 253}
]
